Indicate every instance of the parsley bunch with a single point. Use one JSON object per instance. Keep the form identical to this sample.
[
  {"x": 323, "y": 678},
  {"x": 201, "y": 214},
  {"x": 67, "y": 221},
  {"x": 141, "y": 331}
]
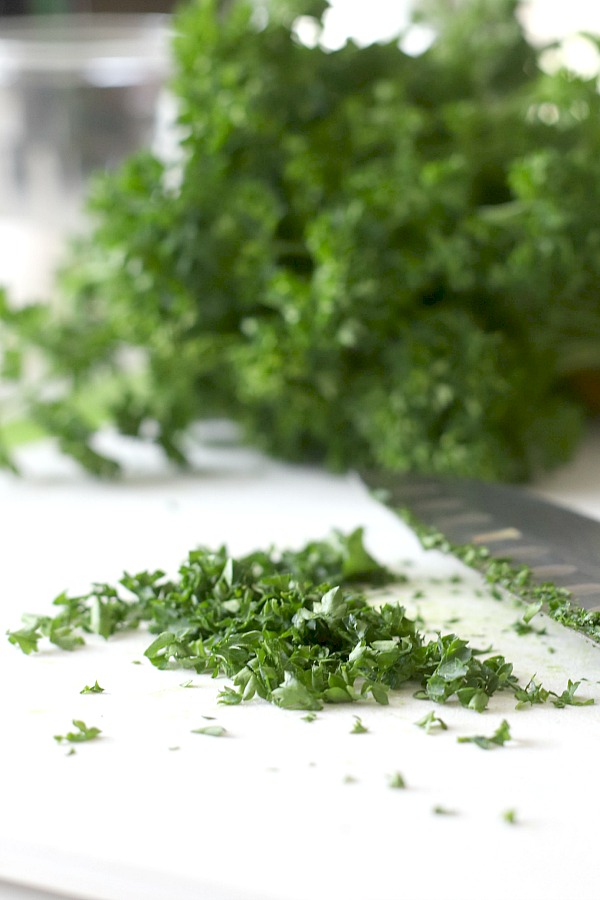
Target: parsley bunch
[{"x": 364, "y": 258}]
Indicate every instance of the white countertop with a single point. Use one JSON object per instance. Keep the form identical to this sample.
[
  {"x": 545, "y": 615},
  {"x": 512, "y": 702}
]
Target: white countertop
[{"x": 266, "y": 812}]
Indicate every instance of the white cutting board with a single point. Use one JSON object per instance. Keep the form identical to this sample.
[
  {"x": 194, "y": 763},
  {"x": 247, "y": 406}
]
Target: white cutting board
[{"x": 268, "y": 811}]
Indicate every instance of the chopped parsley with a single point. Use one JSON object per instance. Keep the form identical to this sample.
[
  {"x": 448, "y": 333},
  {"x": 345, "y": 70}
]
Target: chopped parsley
[
  {"x": 358, "y": 727},
  {"x": 211, "y": 730},
  {"x": 94, "y": 689},
  {"x": 291, "y": 627},
  {"x": 430, "y": 722},
  {"x": 498, "y": 739},
  {"x": 396, "y": 781},
  {"x": 83, "y": 733}
]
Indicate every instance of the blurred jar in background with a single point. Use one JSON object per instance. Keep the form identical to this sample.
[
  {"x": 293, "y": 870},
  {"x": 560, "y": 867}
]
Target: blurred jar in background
[{"x": 78, "y": 93}]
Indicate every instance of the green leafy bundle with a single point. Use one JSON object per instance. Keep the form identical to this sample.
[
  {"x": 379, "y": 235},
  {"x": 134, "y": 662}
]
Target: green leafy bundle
[{"x": 364, "y": 258}]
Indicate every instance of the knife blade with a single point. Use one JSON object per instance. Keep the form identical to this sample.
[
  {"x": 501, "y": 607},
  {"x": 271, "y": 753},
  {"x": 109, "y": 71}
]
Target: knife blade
[{"x": 555, "y": 543}]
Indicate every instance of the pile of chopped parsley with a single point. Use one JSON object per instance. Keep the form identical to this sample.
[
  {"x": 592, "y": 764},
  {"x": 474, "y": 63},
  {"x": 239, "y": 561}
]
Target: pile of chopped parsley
[{"x": 294, "y": 628}]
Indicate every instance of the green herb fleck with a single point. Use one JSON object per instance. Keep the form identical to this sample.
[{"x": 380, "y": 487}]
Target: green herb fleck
[
  {"x": 309, "y": 717},
  {"x": 498, "y": 739},
  {"x": 510, "y": 816},
  {"x": 83, "y": 733},
  {"x": 443, "y": 811},
  {"x": 430, "y": 722},
  {"x": 396, "y": 781},
  {"x": 212, "y": 730},
  {"x": 567, "y": 698},
  {"x": 358, "y": 727},
  {"x": 94, "y": 689}
]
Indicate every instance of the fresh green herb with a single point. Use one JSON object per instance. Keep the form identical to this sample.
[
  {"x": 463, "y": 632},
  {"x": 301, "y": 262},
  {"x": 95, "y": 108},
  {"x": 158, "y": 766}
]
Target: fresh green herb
[
  {"x": 443, "y": 811},
  {"x": 358, "y": 727},
  {"x": 498, "y": 739},
  {"x": 94, "y": 689},
  {"x": 71, "y": 752},
  {"x": 510, "y": 816},
  {"x": 567, "y": 698},
  {"x": 83, "y": 733},
  {"x": 211, "y": 730},
  {"x": 349, "y": 779},
  {"x": 188, "y": 684},
  {"x": 396, "y": 781},
  {"x": 533, "y": 692},
  {"x": 288, "y": 627},
  {"x": 431, "y": 721},
  {"x": 327, "y": 272},
  {"x": 309, "y": 717}
]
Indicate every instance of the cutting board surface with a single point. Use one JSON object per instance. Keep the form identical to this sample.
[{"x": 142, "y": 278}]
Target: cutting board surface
[{"x": 278, "y": 807}]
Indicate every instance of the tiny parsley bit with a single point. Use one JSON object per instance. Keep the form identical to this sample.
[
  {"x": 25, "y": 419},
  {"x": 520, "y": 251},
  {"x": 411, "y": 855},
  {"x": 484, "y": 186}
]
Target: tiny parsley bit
[
  {"x": 212, "y": 730},
  {"x": 510, "y": 816},
  {"x": 94, "y": 689},
  {"x": 498, "y": 739},
  {"x": 567, "y": 698},
  {"x": 358, "y": 727},
  {"x": 431, "y": 721},
  {"x": 309, "y": 717},
  {"x": 83, "y": 733},
  {"x": 443, "y": 811},
  {"x": 396, "y": 781}
]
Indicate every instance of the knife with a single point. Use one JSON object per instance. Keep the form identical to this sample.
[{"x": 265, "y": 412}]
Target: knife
[{"x": 556, "y": 544}]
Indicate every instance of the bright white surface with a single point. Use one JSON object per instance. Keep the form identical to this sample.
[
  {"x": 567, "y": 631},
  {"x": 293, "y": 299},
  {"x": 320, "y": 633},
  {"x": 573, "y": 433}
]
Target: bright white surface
[{"x": 264, "y": 812}]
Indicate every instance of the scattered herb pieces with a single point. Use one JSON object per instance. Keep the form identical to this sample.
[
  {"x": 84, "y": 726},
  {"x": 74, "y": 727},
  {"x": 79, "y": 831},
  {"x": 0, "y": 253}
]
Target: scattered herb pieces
[
  {"x": 510, "y": 816},
  {"x": 431, "y": 721},
  {"x": 94, "y": 689},
  {"x": 358, "y": 727},
  {"x": 211, "y": 730},
  {"x": 498, "y": 739},
  {"x": 349, "y": 779},
  {"x": 396, "y": 781},
  {"x": 83, "y": 733},
  {"x": 188, "y": 684},
  {"x": 444, "y": 811},
  {"x": 309, "y": 717}
]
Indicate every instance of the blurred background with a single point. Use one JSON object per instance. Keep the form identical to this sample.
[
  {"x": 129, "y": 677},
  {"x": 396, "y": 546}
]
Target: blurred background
[{"x": 83, "y": 83}]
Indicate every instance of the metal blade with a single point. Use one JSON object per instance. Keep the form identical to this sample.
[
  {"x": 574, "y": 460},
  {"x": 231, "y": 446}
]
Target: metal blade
[{"x": 558, "y": 545}]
